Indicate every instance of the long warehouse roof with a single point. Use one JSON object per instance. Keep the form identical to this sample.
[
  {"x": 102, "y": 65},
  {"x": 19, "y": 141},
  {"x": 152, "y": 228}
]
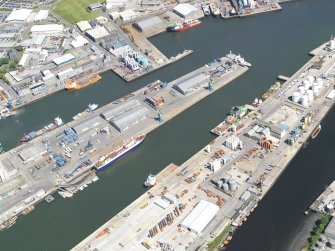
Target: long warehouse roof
[
  {"x": 119, "y": 109},
  {"x": 130, "y": 118},
  {"x": 190, "y": 82}
]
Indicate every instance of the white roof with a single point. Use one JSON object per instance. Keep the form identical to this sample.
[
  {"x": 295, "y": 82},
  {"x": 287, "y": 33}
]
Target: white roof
[
  {"x": 63, "y": 59},
  {"x": 19, "y": 15},
  {"x": 184, "y": 8},
  {"x": 79, "y": 41},
  {"x": 128, "y": 14},
  {"x": 41, "y": 15},
  {"x": 115, "y": 3},
  {"x": 84, "y": 25},
  {"x": 200, "y": 216},
  {"x": 23, "y": 59},
  {"x": 47, "y": 28},
  {"x": 331, "y": 95},
  {"x": 98, "y": 32}
]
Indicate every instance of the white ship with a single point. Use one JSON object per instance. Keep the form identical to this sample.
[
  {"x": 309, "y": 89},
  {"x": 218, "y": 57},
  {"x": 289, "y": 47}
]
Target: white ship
[{"x": 151, "y": 181}]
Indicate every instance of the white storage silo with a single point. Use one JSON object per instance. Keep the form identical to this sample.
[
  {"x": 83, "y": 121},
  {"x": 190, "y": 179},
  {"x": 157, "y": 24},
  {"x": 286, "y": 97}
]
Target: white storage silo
[
  {"x": 306, "y": 84},
  {"x": 310, "y": 95},
  {"x": 315, "y": 88},
  {"x": 225, "y": 187},
  {"x": 301, "y": 89},
  {"x": 311, "y": 79},
  {"x": 320, "y": 82},
  {"x": 304, "y": 100},
  {"x": 296, "y": 97},
  {"x": 232, "y": 185}
]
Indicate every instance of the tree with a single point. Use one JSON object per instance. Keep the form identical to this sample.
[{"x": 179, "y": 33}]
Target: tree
[
  {"x": 3, "y": 61},
  {"x": 19, "y": 48}
]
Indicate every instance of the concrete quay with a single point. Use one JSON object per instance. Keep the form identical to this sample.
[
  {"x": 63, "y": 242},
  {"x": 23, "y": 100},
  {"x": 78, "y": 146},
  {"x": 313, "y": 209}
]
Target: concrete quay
[
  {"x": 62, "y": 157},
  {"x": 280, "y": 127}
]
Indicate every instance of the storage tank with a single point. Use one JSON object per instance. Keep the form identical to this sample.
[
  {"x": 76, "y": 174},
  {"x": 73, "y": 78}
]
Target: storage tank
[
  {"x": 306, "y": 84},
  {"x": 220, "y": 183},
  {"x": 304, "y": 100},
  {"x": 225, "y": 178},
  {"x": 232, "y": 185},
  {"x": 301, "y": 89},
  {"x": 311, "y": 79},
  {"x": 310, "y": 95},
  {"x": 315, "y": 88},
  {"x": 320, "y": 82},
  {"x": 329, "y": 207},
  {"x": 296, "y": 97},
  {"x": 225, "y": 187}
]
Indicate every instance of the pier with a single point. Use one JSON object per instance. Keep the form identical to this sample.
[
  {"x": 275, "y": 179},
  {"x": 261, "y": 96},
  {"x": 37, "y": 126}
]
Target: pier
[{"x": 234, "y": 171}]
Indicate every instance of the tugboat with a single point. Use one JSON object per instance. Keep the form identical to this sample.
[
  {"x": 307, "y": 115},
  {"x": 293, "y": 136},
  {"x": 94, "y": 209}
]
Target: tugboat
[
  {"x": 151, "y": 181},
  {"x": 316, "y": 131},
  {"x": 92, "y": 107}
]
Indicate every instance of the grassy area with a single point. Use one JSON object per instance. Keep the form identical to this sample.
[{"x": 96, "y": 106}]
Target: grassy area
[
  {"x": 216, "y": 242},
  {"x": 74, "y": 11}
]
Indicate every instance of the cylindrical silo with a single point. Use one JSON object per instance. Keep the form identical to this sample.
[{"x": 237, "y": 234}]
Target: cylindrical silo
[
  {"x": 220, "y": 183},
  {"x": 316, "y": 88},
  {"x": 304, "y": 100},
  {"x": 232, "y": 185},
  {"x": 320, "y": 82},
  {"x": 329, "y": 207},
  {"x": 311, "y": 79},
  {"x": 310, "y": 95},
  {"x": 296, "y": 97},
  {"x": 225, "y": 178},
  {"x": 306, "y": 84},
  {"x": 225, "y": 187},
  {"x": 301, "y": 89}
]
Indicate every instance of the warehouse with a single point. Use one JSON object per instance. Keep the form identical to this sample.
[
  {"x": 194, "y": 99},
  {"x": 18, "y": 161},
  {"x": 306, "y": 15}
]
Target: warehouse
[
  {"x": 185, "y": 86},
  {"x": 131, "y": 118},
  {"x": 33, "y": 151},
  {"x": 66, "y": 58},
  {"x": 97, "y": 33},
  {"x": 200, "y": 217},
  {"x": 12, "y": 28},
  {"x": 128, "y": 15},
  {"x": 79, "y": 41},
  {"x": 47, "y": 29},
  {"x": 41, "y": 15},
  {"x": 148, "y": 24},
  {"x": 84, "y": 26},
  {"x": 94, "y": 123},
  {"x": 112, "y": 4},
  {"x": 95, "y": 6},
  {"x": 186, "y": 11},
  {"x": 7, "y": 35},
  {"x": 20, "y": 15},
  {"x": 119, "y": 109}
]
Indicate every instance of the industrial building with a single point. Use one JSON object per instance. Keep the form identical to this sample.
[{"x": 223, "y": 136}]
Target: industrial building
[
  {"x": 155, "y": 101},
  {"x": 84, "y": 26},
  {"x": 95, "y": 6},
  {"x": 94, "y": 123},
  {"x": 33, "y": 151},
  {"x": 97, "y": 33},
  {"x": 120, "y": 109},
  {"x": 187, "y": 85},
  {"x": 41, "y": 15},
  {"x": 200, "y": 217},
  {"x": 79, "y": 41},
  {"x": 186, "y": 11},
  {"x": 148, "y": 24},
  {"x": 330, "y": 230},
  {"x": 112, "y": 4},
  {"x": 128, "y": 15},
  {"x": 66, "y": 58},
  {"x": 233, "y": 142},
  {"x": 47, "y": 29},
  {"x": 130, "y": 118},
  {"x": 20, "y": 15}
]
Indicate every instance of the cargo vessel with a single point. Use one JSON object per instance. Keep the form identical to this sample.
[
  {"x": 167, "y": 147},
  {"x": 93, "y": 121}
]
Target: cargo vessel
[
  {"x": 151, "y": 181},
  {"x": 119, "y": 152},
  {"x": 316, "y": 132},
  {"x": 187, "y": 24},
  {"x": 32, "y": 135},
  {"x": 77, "y": 84}
]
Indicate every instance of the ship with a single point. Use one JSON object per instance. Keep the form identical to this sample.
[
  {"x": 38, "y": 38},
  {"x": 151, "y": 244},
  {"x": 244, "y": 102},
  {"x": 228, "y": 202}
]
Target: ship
[
  {"x": 151, "y": 181},
  {"x": 5, "y": 113},
  {"x": 187, "y": 24},
  {"x": 206, "y": 10},
  {"x": 214, "y": 9},
  {"x": 119, "y": 152},
  {"x": 316, "y": 132},
  {"x": 32, "y": 135},
  {"x": 82, "y": 82}
]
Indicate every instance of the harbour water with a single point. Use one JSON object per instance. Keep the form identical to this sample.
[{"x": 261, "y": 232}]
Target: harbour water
[{"x": 275, "y": 43}]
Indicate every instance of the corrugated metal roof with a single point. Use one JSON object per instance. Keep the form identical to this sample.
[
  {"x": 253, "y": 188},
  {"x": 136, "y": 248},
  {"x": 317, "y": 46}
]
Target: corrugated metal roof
[
  {"x": 130, "y": 118},
  {"x": 92, "y": 123},
  {"x": 200, "y": 216},
  {"x": 184, "y": 8},
  {"x": 148, "y": 23},
  {"x": 191, "y": 82},
  {"x": 33, "y": 151},
  {"x": 119, "y": 109}
]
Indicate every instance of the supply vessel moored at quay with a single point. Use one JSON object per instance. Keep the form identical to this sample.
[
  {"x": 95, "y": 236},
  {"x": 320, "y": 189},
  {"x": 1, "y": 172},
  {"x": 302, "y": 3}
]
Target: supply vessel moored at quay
[
  {"x": 77, "y": 84},
  {"x": 187, "y": 24}
]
